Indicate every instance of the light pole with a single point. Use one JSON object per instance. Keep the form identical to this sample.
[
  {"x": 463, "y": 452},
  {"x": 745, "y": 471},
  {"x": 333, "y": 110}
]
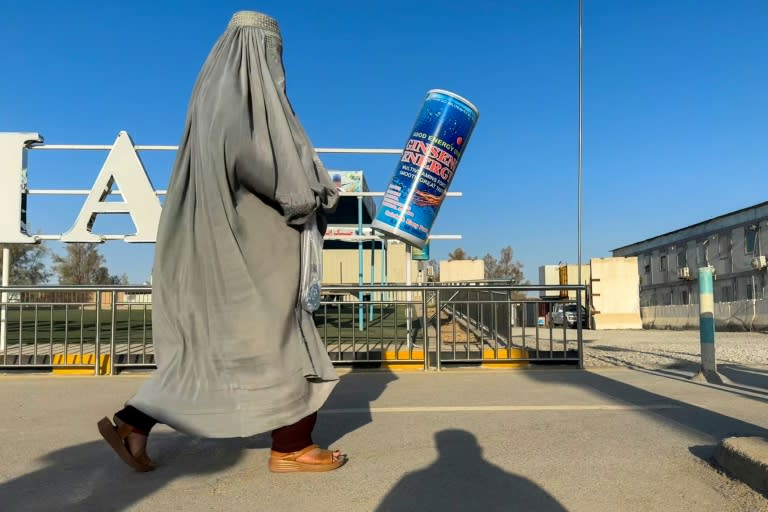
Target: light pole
[{"x": 579, "y": 206}]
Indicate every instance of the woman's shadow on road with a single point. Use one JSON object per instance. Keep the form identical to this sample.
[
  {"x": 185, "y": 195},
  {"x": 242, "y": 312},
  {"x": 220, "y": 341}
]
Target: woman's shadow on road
[{"x": 89, "y": 476}]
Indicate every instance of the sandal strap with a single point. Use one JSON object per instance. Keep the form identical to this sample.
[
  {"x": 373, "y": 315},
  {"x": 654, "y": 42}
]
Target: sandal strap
[
  {"x": 326, "y": 457},
  {"x": 293, "y": 455}
]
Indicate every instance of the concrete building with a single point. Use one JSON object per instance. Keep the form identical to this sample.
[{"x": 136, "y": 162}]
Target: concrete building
[
  {"x": 612, "y": 285},
  {"x": 349, "y": 240},
  {"x": 562, "y": 274},
  {"x": 731, "y": 243},
  {"x": 462, "y": 270},
  {"x": 668, "y": 266},
  {"x": 342, "y": 265}
]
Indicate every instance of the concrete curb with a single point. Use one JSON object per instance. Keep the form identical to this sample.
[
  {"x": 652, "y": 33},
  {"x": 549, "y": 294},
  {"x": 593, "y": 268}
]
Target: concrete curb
[{"x": 745, "y": 458}]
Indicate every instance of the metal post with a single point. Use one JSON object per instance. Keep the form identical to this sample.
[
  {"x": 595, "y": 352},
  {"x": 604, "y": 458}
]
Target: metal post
[
  {"x": 383, "y": 273},
  {"x": 97, "y": 348},
  {"x": 384, "y": 266},
  {"x": 112, "y": 329},
  {"x": 438, "y": 334},
  {"x": 4, "y": 297},
  {"x": 373, "y": 277},
  {"x": 360, "y": 312},
  {"x": 408, "y": 295},
  {"x": 708, "y": 370},
  {"x": 579, "y": 337},
  {"x": 425, "y": 336},
  {"x": 579, "y": 207}
]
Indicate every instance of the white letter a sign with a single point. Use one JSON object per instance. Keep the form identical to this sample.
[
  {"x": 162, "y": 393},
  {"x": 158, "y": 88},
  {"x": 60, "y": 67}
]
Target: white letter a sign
[{"x": 122, "y": 167}]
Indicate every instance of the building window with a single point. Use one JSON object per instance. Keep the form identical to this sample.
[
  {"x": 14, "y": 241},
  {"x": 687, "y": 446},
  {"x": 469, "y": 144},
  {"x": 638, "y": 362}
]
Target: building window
[
  {"x": 724, "y": 245},
  {"x": 750, "y": 236},
  {"x": 703, "y": 253},
  {"x": 684, "y": 298},
  {"x": 647, "y": 264},
  {"x": 663, "y": 263},
  {"x": 667, "y": 297},
  {"x": 750, "y": 292},
  {"x": 682, "y": 260}
]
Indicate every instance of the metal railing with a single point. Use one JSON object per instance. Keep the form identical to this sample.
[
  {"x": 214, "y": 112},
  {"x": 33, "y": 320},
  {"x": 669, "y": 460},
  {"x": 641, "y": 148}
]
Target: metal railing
[{"x": 109, "y": 329}]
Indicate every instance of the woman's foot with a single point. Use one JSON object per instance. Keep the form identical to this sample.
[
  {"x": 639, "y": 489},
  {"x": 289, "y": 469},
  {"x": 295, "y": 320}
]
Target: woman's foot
[
  {"x": 311, "y": 459},
  {"x": 136, "y": 442},
  {"x": 129, "y": 444}
]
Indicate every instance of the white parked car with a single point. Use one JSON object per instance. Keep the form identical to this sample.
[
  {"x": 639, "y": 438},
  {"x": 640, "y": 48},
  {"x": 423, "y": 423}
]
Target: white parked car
[{"x": 566, "y": 313}]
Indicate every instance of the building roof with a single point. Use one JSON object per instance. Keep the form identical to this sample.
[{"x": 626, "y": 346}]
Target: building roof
[{"x": 693, "y": 227}]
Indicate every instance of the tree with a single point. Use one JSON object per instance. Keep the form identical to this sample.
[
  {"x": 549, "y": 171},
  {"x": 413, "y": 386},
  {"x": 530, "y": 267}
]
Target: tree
[
  {"x": 83, "y": 264},
  {"x": 27, "y": 264},
  {"x": 505, "y": 267},
  {"x": 458, "y": 254}
]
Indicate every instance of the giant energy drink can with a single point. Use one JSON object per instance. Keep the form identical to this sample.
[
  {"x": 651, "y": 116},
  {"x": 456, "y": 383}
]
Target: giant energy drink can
[{"x": 427, "y": 167}]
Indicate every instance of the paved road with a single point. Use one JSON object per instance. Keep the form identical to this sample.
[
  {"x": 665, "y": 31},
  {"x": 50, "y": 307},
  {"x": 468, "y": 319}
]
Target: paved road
[{"x": 528, "y": 440}]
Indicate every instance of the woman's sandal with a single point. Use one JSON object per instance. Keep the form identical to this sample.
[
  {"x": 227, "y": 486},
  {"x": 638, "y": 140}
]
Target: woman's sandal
[
  {"x": 117, "y": 437},
  {"x": 280, "y": 462}
]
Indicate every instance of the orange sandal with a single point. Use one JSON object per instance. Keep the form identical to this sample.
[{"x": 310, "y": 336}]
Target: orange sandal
[
  {"x": 117, "y": 438},
  {"x": 280, "y": 462}
]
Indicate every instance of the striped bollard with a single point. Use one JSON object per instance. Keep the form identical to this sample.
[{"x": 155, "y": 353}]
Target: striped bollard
[{"x": 708, "y": 370}]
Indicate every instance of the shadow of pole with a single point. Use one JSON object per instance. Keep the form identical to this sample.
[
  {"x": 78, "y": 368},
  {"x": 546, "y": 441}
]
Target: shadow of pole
[{"x": 681, "y": 414}]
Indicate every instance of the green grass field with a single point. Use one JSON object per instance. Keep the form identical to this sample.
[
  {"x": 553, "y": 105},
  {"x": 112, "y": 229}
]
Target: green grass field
[{"x": 336, "y": 322}]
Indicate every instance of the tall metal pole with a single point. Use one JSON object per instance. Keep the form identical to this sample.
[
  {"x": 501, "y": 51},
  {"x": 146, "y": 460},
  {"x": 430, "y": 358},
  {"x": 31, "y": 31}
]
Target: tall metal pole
[{"x": 579, "y": 220}]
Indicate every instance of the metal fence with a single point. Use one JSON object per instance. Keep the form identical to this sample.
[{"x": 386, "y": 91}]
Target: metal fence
[{"x": 104, "y": 330}]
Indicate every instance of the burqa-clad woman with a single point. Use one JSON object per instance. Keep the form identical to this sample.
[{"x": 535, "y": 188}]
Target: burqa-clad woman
[{"x": 236, "y": 353}]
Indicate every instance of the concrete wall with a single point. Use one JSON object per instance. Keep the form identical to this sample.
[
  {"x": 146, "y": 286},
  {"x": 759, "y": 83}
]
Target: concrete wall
[
  {"x": 742, "y": 315},
  {"x": 461, "y": 270},
  {"x": 341, "y": 266},
  {"x": 615, "y": 299},
  {"x": 550, "y": 275}
]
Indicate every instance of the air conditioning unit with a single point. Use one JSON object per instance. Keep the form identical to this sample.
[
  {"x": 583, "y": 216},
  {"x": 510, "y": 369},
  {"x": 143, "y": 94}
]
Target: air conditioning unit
[
  {"x": 759, "y": 262},
  {"x": 684, "y": 273}
]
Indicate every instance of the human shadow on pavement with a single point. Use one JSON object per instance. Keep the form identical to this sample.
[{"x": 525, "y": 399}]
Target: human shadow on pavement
[
  {"x": 90, "y": 477},
  {"x": 682, "y": 415},
  {"x": 460, "y": 480}
]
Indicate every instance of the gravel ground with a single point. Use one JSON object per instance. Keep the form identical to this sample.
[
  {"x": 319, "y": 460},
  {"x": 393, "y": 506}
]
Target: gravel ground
[{"x": 659, "y": 349}]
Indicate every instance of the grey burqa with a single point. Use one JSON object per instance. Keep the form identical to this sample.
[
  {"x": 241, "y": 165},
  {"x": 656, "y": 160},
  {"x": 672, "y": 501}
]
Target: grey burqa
[{"x": 235, "y": 353}]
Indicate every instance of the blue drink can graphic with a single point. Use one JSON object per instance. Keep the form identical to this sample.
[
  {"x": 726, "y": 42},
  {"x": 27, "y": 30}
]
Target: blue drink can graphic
[{"x": 426, "y": 168}]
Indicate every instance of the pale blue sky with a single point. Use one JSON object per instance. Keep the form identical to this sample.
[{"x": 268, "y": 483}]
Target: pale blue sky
[{"x": 675, "y": 105}]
